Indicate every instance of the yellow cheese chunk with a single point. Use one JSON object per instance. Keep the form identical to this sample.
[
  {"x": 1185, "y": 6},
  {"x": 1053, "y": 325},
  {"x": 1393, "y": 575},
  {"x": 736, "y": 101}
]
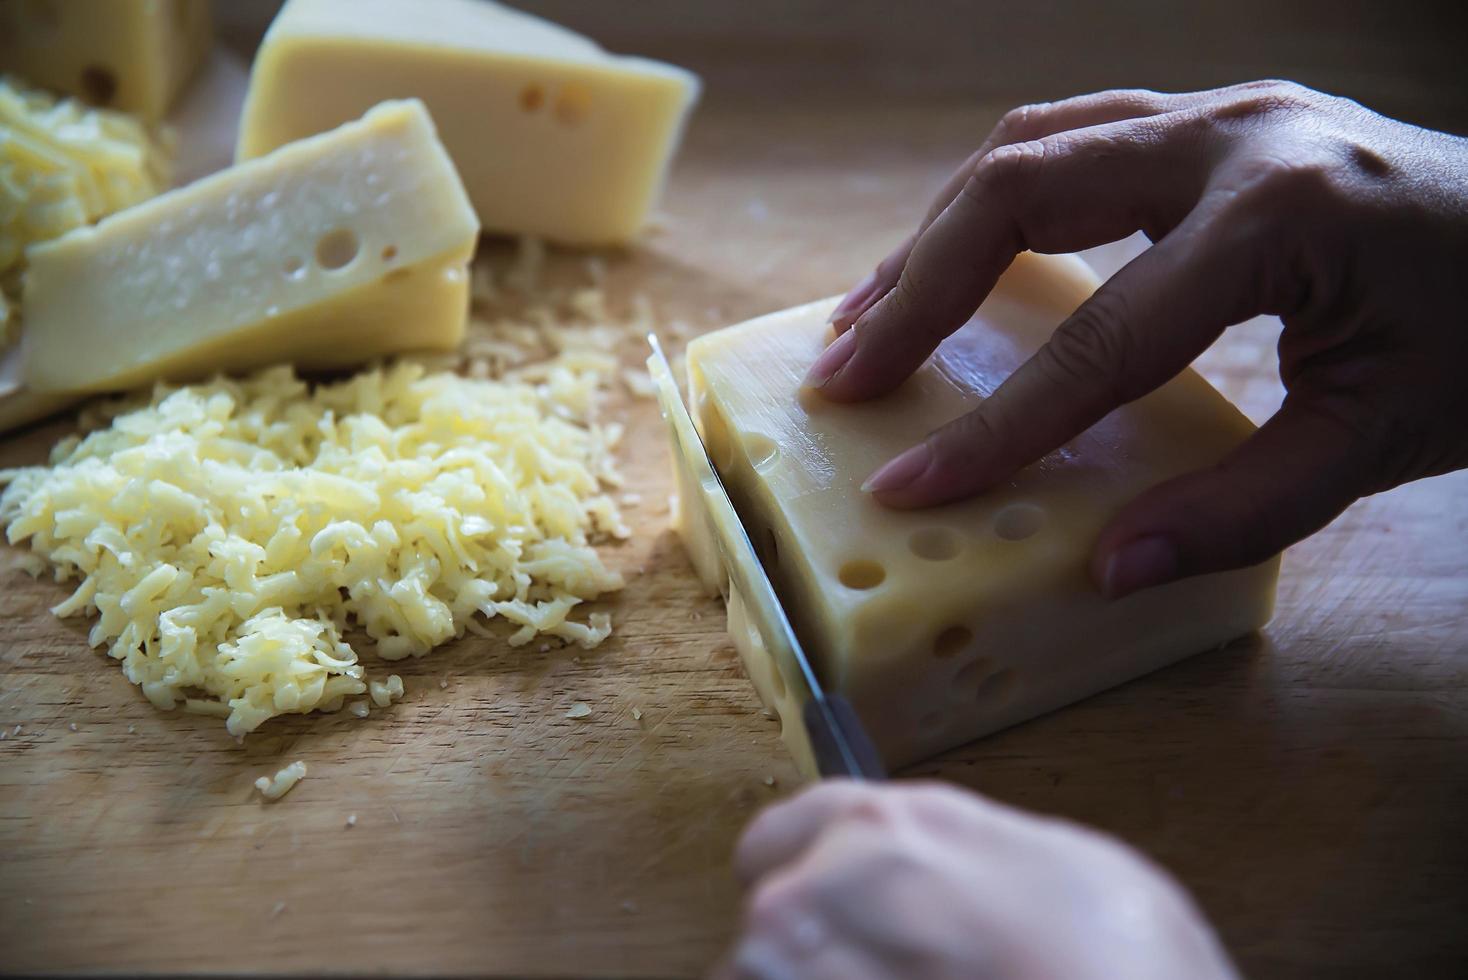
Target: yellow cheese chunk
[
  {"x": 945, "y": 624},
  {"x": 135, "y": 55},
  {"x": 552, "y": 136},
  {"x": 329, "y": 252}
]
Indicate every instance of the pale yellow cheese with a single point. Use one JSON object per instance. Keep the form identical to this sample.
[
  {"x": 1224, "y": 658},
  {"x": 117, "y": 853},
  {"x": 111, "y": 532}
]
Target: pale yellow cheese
[
  {"x": 945, "y": 624},
  {"x": 63, "y": 165},
  {"x": 327, "y": 253},
  {"x": 274, "y": 787},
  {"x": 553, "y": 136},
  {"x": 135, "y": 55},
  {"x": 238, "y": 541}
]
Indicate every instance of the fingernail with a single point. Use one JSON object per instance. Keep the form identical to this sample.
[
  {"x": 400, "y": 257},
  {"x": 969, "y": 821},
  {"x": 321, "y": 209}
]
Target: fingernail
[
  {"x": 901, "y": 471},
  {"x": 832, "y": 359},
  {"x": 1139, "y": 564},
  {"x": 860, "y": 294}
]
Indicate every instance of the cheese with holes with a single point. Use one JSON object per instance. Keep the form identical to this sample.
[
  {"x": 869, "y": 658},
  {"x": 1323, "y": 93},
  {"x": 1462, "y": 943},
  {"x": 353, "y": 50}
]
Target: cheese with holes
[
  {"x": 945, "y": 624},
  {"x": 553, "y": 136},
  {"x": 135, "y": 55},
  {"x": 327, "y": 253}
]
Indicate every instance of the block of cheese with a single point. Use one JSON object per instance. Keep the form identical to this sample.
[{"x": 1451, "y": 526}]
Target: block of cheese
[
  {"x": 329, "y": 252},
  {"x": 945, "y": 624},
  {"x": 135, "y": 55},
  {"x": 552, "y": 136}
]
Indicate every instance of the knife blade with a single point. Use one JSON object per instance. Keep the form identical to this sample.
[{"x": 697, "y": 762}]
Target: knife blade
[{"x": 838, "y": 741}]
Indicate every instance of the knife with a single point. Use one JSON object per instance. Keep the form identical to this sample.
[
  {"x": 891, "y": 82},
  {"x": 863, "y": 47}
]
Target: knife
[{"x": 839, "y": 743}]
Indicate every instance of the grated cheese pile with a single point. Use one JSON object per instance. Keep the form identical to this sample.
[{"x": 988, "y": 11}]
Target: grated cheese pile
[
  {"x": 64, "y": 165},
  {"x": 524, "y": 321},
  {"x": 228, "y": 534}
]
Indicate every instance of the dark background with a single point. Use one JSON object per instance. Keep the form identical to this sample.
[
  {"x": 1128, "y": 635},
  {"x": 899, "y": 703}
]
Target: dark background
[{"x": 1405, "y": 59}]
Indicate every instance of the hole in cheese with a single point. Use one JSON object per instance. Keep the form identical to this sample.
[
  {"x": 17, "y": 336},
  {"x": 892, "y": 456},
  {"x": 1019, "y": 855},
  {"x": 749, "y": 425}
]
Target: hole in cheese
[
  {"x": 952, "y": 640},
  {"x": 932, "y": 721},
  {"x": 389, "y": 253},
  {"x": 777, "y": 679},
  {"x": 1018, "y": 521},
  {"x": 573, "y": 102},
  {"x": 532, "y": 97},
  {"x": 293, "y": 268},
  {"x": 997, "y": 687},
  {"x": 99, "y": 85},
  {"x": 972, "y": 677},
  {"x": 760, "y": 449},
  {"x": 861, "y": 574},
  {"x": 935, "y": 543},
  {"x": 716, "y": 437},
  {"x": 337, "y": 249},
  {"x": 772, "y": 548}
]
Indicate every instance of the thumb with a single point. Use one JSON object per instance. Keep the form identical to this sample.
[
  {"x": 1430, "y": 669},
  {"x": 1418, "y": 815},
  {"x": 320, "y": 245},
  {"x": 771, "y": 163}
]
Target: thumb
[{"x": 1295, "y": 475}]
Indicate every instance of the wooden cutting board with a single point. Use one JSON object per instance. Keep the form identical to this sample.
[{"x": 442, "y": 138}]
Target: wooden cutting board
[{"x": 1308, "y": 784}]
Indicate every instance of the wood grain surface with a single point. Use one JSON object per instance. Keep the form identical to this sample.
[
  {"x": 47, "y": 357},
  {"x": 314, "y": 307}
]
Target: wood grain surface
[{"x": 1307, "y": 785}]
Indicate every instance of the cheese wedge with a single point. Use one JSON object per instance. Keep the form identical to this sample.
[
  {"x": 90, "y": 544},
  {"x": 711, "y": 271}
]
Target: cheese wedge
[
  {"x": 135, "y": 55},
  {"x": 945, "y": 624},
  {"x": 327, "y": 253},
  {"x": 552, "y": 136}
]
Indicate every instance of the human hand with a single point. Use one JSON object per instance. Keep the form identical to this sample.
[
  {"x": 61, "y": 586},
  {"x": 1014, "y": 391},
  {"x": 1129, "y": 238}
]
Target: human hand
[
  {"x": 926, "y": 882},
  {"x": 1260, "y": 198}
]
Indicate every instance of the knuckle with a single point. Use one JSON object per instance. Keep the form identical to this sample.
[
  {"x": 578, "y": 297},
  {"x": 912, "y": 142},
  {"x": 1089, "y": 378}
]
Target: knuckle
[
  {"x": 934, "y": 800},
  {"x": 904, "y": 301},
  {"x": 1090, "y": 350},
  {"x": 1021, "y": 122},
  {"x": 1284, "y": 187},
  {"x": 872, "y": 812},
  {"x": 1271, "y": 99},
  {"x": 1007, "y": 170},
  {"x": 1144, "y": 101},
  {"x": 1364, "y": 161},
  {"x": 957, "y": 444},
  {"x": 1384, "y": 439},
  {"x": 776, "y": 902}
]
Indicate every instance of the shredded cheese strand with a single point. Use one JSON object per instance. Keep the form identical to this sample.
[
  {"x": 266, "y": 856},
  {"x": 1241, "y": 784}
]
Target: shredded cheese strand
[{"x": 227, "y": 535}]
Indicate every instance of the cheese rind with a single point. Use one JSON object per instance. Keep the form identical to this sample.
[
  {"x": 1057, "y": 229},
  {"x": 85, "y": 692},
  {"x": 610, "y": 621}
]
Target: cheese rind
[
  {"x": 332, "y": 251},
  {"x": 135, "y": 55},
  {"x": 945, "y": 624},
  {"x": 552, "y": 136}
]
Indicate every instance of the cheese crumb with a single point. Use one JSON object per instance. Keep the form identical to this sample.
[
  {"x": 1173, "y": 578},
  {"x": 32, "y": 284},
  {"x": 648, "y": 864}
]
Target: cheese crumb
[
  {"x": 72, "y": 726},
  {"x": 579, "y": 710},
  {"x": 636, "y": 714},
  {"x": 228, "y": 534},
  {"x": 359, "y": 708},
  {"x": 351, "y": 820},
  {"x": 274, "y": 787},
  {"x": 385, "y": 693}
]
